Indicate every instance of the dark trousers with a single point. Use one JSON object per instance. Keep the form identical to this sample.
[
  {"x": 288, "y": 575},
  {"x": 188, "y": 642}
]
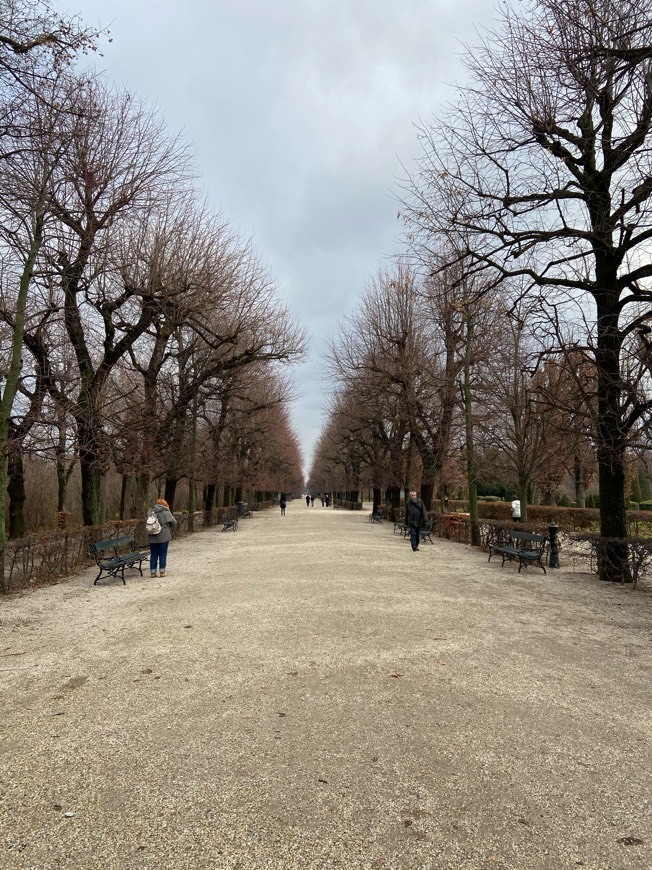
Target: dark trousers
[
  {"x": 414, "y": 536},
  {"x": 158, "y": 555}
]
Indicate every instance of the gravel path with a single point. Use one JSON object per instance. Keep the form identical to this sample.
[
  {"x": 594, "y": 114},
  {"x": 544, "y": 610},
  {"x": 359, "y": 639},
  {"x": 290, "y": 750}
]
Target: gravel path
[{"x": 309, "y": 693}]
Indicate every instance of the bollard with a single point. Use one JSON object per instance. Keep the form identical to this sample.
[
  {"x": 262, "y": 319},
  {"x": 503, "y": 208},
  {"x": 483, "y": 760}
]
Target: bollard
[{"x": 553, "y": 559}]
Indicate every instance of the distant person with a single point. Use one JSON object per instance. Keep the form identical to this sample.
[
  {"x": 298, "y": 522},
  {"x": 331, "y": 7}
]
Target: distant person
[
  {"x": 307, "y": 501},
  {"x": 283, "y": 505},
  {"x": 328, "y": 501},
  {"x": 159, "y": 525},
  {"x": 323, "y": 500},
  {"x": 446, "y": 503},
  {"x": 312, "y": 501},
  {"x": 516, "y": 511},
  {"x": 416, "y": 516}
]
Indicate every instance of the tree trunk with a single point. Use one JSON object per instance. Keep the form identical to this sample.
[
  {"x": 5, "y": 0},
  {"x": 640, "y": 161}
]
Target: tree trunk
[
  {"x": 192, "y": 504},
  {"x": 91, "y": 440},
  {"x": 394, "y": 496},
  {"x": 579, "y": 480},
  {"x": 124, "y": 492},
  {"x": 62, "y": 486},
  {"x": 427, "y": 490},
  {"x": 613, "y": 564},
  {"x": 376, "y": 499},
  {"x": 170, "y": 490},
  {"x": 12, "y": 375},
  {"x": 523, "y": 494},
  {"x": 91, "y": 479},
  {"x": 141, "y": 494},
  {"x": 16, "y": 491},
  {"x": 471, "y": 471}
]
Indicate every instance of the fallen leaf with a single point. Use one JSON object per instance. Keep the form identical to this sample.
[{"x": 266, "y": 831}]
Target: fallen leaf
[
  {"x": 631, "y": 841},
  {"x": 147, "y": 671},
  {"x": 75, "y": 682}
]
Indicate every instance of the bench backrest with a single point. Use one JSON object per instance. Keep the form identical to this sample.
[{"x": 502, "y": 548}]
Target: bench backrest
[
  {"x": 113, "y": 543},
  {"x": 529, "y": 537}
]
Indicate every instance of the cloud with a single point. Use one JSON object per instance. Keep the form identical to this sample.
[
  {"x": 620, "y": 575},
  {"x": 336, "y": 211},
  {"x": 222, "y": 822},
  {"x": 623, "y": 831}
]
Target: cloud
[{"x": 300, "y": 111}]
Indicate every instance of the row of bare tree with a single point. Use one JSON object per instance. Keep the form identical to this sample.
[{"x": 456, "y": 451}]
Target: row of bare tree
[
  {"x": 437, "y": 384},
  {"x": 137, "y": 329},
  {"x": 527, "y": 304}
]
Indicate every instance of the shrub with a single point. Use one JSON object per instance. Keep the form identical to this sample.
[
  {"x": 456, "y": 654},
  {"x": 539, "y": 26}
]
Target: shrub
[{"x": 646, "y": 505}]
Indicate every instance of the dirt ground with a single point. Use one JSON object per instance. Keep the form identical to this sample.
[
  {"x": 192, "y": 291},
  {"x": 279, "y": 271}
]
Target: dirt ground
[{"x": 309, "y": 693}]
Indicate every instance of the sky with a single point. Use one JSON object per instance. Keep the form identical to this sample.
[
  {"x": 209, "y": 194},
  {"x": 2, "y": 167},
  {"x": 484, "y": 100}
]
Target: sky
[{"x": 302, "y": 116}]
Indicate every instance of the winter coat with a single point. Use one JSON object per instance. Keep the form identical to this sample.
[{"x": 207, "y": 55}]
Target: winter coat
[
  {"x": 167, "y": 521},
  {"x": 415, "y": 513}
]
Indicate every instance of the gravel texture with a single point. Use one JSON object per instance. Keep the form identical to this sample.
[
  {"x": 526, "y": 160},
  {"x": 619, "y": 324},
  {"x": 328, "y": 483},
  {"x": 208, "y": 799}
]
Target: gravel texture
[{"x": 309, "y": 693}]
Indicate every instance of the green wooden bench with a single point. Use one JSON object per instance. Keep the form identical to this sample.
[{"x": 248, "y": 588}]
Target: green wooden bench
[
  {"x": 116, "y": 554},
  {"x": 425, "y": 532},
  {"x": 526, "y": 548}
]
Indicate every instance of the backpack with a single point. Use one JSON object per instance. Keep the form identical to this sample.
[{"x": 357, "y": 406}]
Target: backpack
[{"x": 152, "y": 525}]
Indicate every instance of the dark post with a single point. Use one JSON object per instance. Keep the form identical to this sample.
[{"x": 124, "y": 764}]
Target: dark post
[{"x": 553, "y": 560}]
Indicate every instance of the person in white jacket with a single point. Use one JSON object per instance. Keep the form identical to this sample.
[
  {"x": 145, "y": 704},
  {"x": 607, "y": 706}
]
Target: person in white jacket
[{"x": 516, "y": 511}]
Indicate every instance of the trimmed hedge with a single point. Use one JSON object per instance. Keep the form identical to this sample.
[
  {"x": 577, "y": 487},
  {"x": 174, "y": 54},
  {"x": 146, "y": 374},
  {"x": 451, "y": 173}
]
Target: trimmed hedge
[{"x": 569, "y": 519}]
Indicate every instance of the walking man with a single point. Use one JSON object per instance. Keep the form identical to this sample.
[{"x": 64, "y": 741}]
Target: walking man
[{"x": 416, "y": 516}]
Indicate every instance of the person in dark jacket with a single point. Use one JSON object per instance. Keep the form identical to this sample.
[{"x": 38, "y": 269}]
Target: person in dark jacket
[
  {"x": 283, "y": 505},
  {"x": 158, "y": 544},
  {"x": 416, "y": 516}
]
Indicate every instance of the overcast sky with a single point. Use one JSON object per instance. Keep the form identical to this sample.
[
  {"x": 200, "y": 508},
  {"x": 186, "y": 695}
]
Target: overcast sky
[{"x": 301, "y": 113}]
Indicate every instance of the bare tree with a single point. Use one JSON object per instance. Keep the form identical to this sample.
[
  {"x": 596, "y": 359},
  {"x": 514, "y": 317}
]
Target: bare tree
[
  {"x": 26, "y": 176},
  {"x": 544, "y": 171},
  {"x": 119, "y": 161}
]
